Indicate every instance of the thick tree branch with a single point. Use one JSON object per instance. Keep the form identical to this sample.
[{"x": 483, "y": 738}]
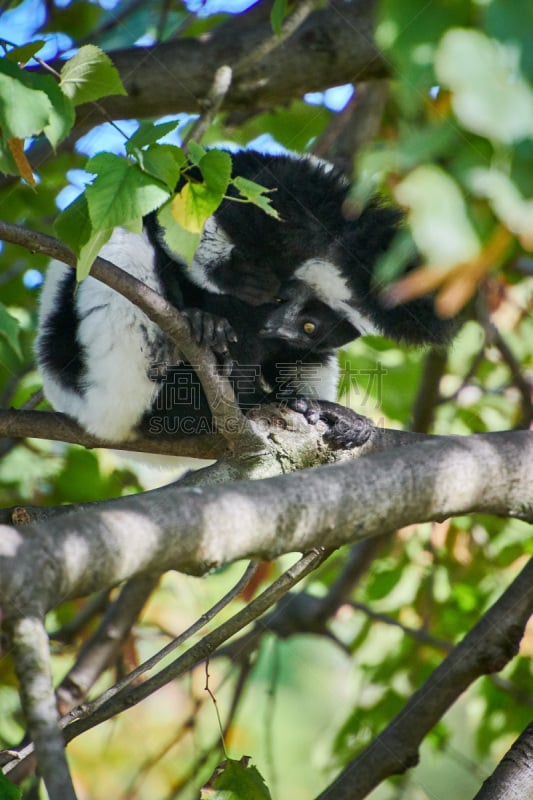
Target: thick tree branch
[
  {"x": 334, "y": 45},
  {"x": 485, "y": 649},
  {"x": 513, "y": 777},
  {"x": 195, "y": 529}
]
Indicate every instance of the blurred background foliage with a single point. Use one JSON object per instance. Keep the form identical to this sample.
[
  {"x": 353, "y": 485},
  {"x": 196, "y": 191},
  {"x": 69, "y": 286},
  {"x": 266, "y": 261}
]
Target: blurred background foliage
[{"x": 454, "y": 146}]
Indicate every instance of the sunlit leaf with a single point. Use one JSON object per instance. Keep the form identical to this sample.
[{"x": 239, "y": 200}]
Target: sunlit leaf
[
  {"x": 507, "y": 202},
  {"x": 24, "y": 111},
  {"x": 438, "y": 216},
  {"x": 121, "y": 192},
  {"x": 89, "y": 75},
  {"x": 489, "y": 95},
  {"x": 256, "y": 194},
  {"x": 176, "y": 237},
  {"x": 193, "y": 206}
]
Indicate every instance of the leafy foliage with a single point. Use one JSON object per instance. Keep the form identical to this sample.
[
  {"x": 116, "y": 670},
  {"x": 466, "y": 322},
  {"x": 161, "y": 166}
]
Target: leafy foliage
[
  {"x": 455, "y": 147},
  {"x": 235, "y": 780}
]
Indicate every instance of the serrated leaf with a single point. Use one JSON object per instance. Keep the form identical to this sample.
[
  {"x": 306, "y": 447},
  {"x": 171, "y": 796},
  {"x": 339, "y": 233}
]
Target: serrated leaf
[
  {"x": 236, "y": 780},
  {"x": 255, "y": 193},
  {"x": 121, "y": 193},
  {"x": 176, "y": 237},
  {"x": 16, "y": 147},
  {"x": 164, "y": 162},
  {"x": 9, "y": 330},
  {"x": 23, "y": 110},
  {"x": 89, "y": 75},
  {"x": 148, "y": 133}
]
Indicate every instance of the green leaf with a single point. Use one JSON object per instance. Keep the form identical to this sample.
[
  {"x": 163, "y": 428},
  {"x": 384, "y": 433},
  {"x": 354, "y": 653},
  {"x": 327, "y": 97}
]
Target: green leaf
[
  {"x": 73, "y": 225},
  {"x": 255, "y": 193},
  {"x": 176, "y": 237},
  {"x": 482, "y": 76},
  {"x": 121, "y": 193},
  {"x": 148, "y": 133},
  {"x": 8, "y": 790},
  {"x": 9, "y": 330},
  {"x": 196, "y": 152},
  {"x": 164, "y": 162},
  {"x": 74, "y": 228},
  {"x": 77, "y": 20},
  {"x": 236, "y": 780},
  {"x": 90, "y": 250},
  {"x": 89, "y": 75},
  {"x": 62, "y": 115},
  {"x": 195, "y": 203},
  {"x": 7, "y": 162},
  {"x": 23, "y": 110},
  {"x": 193, "y": 206},
  {"x": 31, "y": 104},
  {"x": 23, "y": 54},
  {"x": 277, "y": 15},
  {"x": 383, "y": 583},
  {"x": 215, "y": 167}
]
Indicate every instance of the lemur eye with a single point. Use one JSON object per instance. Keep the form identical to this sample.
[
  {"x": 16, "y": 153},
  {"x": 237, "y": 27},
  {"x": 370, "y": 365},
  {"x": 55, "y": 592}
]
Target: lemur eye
[
  {"x": 309, "y": 328},
  {"x": 278, "y": 299}
]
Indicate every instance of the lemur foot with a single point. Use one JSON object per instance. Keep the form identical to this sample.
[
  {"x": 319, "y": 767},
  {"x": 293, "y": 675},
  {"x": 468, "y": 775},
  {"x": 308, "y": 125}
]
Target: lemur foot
[
  {"x": 211, "y": 331},
  {"x": 346, "y": 429}
]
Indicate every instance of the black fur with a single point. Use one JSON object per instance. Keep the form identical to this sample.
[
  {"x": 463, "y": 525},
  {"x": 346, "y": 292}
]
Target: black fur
[{"x": 244, "y": 298}]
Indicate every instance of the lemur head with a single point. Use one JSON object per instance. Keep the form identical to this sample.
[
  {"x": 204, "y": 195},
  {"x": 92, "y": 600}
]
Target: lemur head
[{"x": 316, "y": 261}]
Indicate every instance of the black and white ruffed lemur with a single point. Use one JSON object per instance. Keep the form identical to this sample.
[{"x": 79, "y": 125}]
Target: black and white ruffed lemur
[{"x": 264, "y": 294}]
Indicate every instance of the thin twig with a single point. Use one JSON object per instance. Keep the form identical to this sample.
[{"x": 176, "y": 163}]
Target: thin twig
[
  {"x": 113, "y": 701},
  {"x": 101, "y": 649},
  {"x": 211, "y": 105}
]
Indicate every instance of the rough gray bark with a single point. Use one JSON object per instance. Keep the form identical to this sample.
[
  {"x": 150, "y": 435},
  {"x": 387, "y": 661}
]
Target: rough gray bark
[
  {"x": 195, "y": 529},
  {"x": 334, "y": 45},
  {"x": 513, "y": 777}
]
